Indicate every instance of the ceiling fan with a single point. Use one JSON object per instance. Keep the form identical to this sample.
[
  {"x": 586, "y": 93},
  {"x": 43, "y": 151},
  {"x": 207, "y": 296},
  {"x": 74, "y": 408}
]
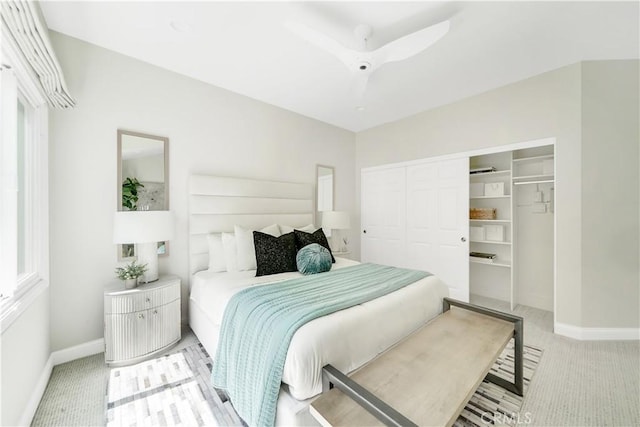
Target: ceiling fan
[{"x": 362, "y": 62}]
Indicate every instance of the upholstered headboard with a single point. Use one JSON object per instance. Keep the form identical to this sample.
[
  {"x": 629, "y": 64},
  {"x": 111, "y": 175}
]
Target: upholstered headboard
[{"x": 217, "y": 203}]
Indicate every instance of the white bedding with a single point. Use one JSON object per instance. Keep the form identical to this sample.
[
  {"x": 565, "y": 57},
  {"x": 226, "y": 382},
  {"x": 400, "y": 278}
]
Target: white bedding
[{"x": 347, "y": 339}]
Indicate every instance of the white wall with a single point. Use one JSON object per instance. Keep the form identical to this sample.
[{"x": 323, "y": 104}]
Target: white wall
[
  {"x": 23, "y": 356},
  {"x": 591, "y": 255},
  {"x": 210, "y": 130}
]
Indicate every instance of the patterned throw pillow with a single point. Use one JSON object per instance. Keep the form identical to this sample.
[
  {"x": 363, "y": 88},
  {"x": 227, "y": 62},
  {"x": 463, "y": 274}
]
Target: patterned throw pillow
[
  {"x": 313, "y": 259},
  {"x": 274, "y": 254},
  {"x": 303, "y": 239}
]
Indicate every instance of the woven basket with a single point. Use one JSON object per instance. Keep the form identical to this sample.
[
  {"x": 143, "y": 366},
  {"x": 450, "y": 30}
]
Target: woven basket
[{"x": 483, "y": 213}]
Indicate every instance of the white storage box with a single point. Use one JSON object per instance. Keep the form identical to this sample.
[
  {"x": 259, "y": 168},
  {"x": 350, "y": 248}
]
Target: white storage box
[
  {"x": 492, "y": 189},
  {"x": 476, "y": 234},
  {"x": 476, "y": 189},
  {"x": 494, "y": 233}
]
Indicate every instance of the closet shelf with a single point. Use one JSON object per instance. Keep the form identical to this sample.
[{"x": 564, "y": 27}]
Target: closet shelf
[
  {"x": 491, "y": 242},
  {"x": 491, "y": 220},
  {"x": 527, "y": 178},
  {"x": 504, "y": 264},
  {"x": 533, "y": 159},
  {"x": 495, "y": 173},
  {"x": 506, "y": 196}
]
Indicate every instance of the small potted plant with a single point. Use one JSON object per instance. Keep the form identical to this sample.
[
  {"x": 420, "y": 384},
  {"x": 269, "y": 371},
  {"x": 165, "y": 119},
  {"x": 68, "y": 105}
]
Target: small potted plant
[{"x": 130, "y": 273}]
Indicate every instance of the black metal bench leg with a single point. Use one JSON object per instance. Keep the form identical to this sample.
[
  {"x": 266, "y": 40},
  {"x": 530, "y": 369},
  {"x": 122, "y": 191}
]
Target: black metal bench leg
[
  {"x": 378, "y": 408},
  {"x": 517, "y": 386}
]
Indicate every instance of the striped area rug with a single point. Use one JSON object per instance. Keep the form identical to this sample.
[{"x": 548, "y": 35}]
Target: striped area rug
[
  {"x": 493, "y": 405},
  {"x": 168, "y": 390},
  {"x": 175, "y": 389}
]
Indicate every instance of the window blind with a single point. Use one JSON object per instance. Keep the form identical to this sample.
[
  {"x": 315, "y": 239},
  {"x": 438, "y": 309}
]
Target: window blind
[{"x": 23, "y": 28}]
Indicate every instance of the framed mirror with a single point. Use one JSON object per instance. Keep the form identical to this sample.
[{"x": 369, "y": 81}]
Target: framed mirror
[
  {"x": 324, "y": 188},
  {"x": 142, "y": 179}
]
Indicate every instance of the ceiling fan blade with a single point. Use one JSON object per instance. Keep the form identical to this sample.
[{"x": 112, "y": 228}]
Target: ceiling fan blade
[
  {"x": 322, "y": 41},
  {"x": 410, "y": 45}
]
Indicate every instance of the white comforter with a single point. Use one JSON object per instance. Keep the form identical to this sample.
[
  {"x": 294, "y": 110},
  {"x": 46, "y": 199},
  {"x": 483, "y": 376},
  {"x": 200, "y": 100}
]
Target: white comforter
[{"x": 347, "y": 339}]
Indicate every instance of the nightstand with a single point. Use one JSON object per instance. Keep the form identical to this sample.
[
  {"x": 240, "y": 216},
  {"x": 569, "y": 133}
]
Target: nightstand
[{"x": 140, "y": 322}]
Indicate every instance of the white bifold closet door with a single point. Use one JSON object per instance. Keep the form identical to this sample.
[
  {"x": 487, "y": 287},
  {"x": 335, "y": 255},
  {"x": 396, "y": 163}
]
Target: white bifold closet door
[
  {"x": 426, "y": 225},
  {"x": 383, "y": 204},
  {"x": 438, "y": 222}
]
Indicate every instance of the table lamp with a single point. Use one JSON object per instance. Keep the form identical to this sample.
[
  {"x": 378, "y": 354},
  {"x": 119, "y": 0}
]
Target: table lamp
[
  {"x": 145, "y": 229},
  {"x": 336, "y": 220}
]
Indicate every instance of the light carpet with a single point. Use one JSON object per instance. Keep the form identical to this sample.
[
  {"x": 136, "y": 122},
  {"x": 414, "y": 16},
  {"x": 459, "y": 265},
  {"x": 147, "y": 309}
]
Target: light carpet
[{"x": 175, "y": 390}]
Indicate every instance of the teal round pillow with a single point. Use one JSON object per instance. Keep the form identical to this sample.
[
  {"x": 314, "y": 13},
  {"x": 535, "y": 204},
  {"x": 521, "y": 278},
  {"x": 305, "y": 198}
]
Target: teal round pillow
[{"x": 313, "y": 259}]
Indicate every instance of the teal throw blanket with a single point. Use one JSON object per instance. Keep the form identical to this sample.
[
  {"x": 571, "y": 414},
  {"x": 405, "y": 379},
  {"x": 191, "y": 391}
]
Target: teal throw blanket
[{"x": 260, "y": 321}]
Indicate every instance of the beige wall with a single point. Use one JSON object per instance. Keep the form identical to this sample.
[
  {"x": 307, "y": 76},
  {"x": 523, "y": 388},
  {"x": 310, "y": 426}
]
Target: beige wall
[
  {"x": 210, "y": 130},
  {"x": 23, "y": 356},
  {"x": 215, "y": 131},
  {"x": 592, "y": 110},
  {"x": 547, "y": 105},
  {"x": 145, "y": 169},
  {"x": 610, "y": 215}
]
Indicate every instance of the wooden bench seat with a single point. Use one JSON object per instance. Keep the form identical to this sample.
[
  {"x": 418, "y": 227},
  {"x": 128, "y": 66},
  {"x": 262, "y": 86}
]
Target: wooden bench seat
[{"x": 427, "y": 378}]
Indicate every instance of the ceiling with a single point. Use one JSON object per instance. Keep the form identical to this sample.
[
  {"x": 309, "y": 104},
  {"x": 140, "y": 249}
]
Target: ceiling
[{"x": 245, "y": 47}]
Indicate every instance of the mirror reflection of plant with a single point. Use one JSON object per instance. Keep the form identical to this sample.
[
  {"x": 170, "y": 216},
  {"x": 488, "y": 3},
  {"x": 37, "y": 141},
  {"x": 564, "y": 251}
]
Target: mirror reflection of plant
[
  {"x": 131, "y": 271},
  {"x": 130, "y": 193}
]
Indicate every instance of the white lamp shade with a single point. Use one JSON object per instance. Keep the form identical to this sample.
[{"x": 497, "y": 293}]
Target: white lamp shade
[
  {"x": 335, "y": 220},
  {"x": 142, "y": 226}
]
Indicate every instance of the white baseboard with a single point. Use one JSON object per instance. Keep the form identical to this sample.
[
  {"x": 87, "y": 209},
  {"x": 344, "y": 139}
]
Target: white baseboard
[
  {"x": 38, "y": 391},
  {"x": 597, "y": 334},
  {"x": 78, "y": 351}
]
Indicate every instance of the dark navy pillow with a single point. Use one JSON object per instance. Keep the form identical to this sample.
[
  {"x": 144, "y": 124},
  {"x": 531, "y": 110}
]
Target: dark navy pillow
[
  {"x": 313, "y": 259},
  {"x": 303, "y": 239},
  {"x": 275, "y": 254}
]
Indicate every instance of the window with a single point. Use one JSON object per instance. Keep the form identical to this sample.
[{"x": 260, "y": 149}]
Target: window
[
  {"x": 21, "y": 141},
  {"x": 30, "y": 80},
  {"x": 23, "y": 199},
  {"x": 26, "y": 127}
]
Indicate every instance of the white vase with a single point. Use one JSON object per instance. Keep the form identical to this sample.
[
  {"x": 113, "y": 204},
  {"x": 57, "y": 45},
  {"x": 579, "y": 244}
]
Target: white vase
[{"x": 130, "y": 283}]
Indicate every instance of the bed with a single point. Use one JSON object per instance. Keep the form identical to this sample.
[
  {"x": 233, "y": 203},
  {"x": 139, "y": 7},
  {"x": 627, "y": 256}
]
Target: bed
[{"x": 347, "y": 339}]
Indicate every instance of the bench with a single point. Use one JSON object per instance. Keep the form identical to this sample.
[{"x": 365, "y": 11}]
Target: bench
[{"x": 427, "y": 378}]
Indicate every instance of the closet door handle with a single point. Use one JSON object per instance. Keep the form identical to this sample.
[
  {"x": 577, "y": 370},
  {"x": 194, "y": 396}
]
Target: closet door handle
[
  {"x": 463, "y": 239},
  {"x": 364, "y": 231}
]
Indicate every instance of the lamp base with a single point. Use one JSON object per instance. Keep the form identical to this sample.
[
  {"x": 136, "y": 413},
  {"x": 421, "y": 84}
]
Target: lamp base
[
  {"x": 335, "y": 241},
  {"x": 147, "y": 253}
]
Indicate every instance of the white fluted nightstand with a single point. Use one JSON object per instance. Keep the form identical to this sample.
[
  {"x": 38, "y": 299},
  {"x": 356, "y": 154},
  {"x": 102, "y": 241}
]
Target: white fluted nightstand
[{"x": 140, "y": 322}]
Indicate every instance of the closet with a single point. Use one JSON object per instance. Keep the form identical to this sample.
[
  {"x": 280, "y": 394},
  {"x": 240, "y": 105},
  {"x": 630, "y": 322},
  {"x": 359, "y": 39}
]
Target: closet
[
  {"x": 534, "y": 208},
  {"x": 497, "y": 205},
  {"x": 511, "y": 226},
  {"x": 491, "y": 227}
]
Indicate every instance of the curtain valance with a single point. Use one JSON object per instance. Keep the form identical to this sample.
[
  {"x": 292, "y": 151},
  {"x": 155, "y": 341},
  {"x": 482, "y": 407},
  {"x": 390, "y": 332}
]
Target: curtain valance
[{"x": 23, "y": 28}]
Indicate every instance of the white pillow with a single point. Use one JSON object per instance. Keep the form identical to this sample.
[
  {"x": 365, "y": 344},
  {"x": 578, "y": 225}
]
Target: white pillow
[
  {"x": 230, "y": 251},
  {"x": 284, "y": 229},
  {"x": 246, "y": 247},
  {"x": 216, "y": 253}
]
